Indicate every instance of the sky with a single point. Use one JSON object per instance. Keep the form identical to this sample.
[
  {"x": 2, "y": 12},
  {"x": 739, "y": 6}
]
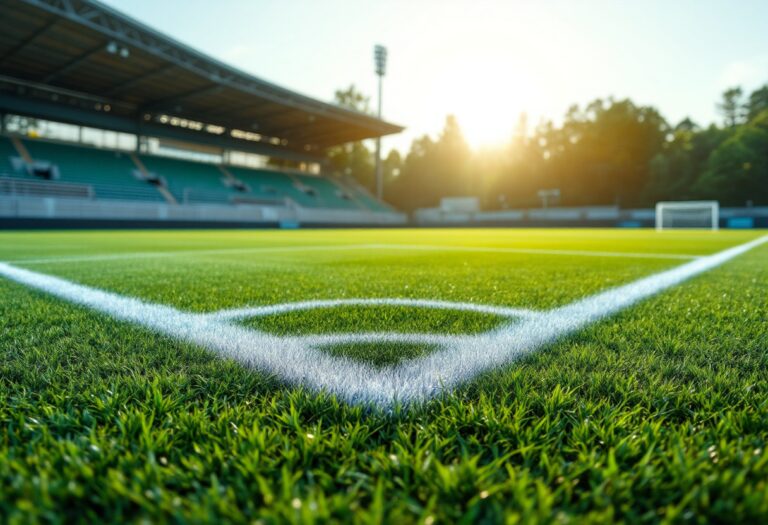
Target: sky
[{"x": 484, "y": 62}]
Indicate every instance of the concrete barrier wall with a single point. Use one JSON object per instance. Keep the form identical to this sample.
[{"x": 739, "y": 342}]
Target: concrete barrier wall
[
  {"x": 604, "y": 216},
  {"x": 20, "y": 207}
]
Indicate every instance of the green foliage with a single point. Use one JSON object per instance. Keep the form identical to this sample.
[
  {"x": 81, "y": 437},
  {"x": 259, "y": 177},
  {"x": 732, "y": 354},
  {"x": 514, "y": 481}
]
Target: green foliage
[
  {"x": 655, "y": 415},
  {"x": 732, "y": 107},
  {"x": 609, "y": 152},
  {"x": 758, "y": 102},
  {"x": 435, "y": 169},
  {"x": 738, "y": 169},
  {"x": 354, "y": 159}
]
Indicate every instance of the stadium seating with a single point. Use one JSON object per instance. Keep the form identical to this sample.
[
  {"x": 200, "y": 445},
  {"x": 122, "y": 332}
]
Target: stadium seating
[
  {"x": 328, "y": 194},
  {"x": 273, "y": 184},
  {"x": 110, "y": 173},
  {"x": 7, "y": 151},
  {"x": 190, "y": 182},
  {"x": 362, "y": 196}
]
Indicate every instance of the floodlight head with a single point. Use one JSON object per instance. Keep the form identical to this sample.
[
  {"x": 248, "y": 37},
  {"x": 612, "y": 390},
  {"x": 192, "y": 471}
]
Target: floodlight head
[{"x": 380, "y": 58}]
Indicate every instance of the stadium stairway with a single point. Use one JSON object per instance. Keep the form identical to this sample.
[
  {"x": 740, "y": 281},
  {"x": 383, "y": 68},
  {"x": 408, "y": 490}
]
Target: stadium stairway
[
  {"x": 110, "y": 173},
  {"x": 364, "y": 196},
  {"x": 159, "y": 185},
  {"x": 272, "y": 185},
  {"x": 327, "y": 192},
  {"x": 191, "y": 182}
]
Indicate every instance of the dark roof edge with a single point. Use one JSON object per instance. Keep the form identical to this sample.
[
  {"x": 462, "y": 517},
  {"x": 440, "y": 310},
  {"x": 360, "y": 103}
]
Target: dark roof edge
[{"x": 206, "y": 65}]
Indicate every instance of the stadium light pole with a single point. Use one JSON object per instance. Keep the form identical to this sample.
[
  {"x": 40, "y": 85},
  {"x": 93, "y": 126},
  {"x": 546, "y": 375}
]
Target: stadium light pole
[{"x": 380, "y": 59}]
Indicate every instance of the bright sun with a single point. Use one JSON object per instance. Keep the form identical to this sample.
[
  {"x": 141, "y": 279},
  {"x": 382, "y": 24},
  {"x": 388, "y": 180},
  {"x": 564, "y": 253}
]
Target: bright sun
[{"x": 486, "y": 98}]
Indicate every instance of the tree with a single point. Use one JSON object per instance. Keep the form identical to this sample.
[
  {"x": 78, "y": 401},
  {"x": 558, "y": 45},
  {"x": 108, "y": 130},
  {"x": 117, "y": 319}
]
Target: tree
[
  {"x": 757, "y": 103},
  {"x": 731, "y": 106},
  {"x": 353, "y": 99},
  {"x": 737, "y": 171},
  {"x": 601, "y": 154},
  {"x": 451, "y": 158},
  {"x": 434, "y": 169},
  {"x": 353, "y": 159},
  {"x": 392, "y": 166}
]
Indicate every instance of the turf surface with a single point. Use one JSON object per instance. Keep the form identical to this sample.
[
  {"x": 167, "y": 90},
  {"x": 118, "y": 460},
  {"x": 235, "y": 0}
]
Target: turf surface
[{"x": 656, "y": 414}]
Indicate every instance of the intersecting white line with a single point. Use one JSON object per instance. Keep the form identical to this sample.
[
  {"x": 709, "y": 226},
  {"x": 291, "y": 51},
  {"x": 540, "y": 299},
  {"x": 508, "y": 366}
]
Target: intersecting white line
[{"x": 300, "y": 360}]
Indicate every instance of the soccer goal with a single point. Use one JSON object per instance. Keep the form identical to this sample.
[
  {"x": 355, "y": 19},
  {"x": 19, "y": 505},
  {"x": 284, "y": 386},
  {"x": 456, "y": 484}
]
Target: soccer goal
[{"x": 689, "y": 214}]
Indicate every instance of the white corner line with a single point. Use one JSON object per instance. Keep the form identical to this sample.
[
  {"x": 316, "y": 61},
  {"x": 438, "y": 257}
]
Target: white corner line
[{"x": 299, "y": 360}]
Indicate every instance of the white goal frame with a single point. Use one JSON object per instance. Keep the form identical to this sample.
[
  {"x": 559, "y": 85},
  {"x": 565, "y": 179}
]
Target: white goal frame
[{"x": 712, "y": 207}]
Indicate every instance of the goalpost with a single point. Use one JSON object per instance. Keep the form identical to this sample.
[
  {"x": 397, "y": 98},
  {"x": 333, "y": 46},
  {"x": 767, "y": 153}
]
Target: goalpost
[{"x": 687, "y": 214}]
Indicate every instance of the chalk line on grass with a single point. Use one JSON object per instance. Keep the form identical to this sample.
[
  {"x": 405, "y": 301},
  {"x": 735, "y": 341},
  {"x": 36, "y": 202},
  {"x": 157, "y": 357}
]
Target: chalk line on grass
[
  {"x": 343, "y": 247},
  {"x": 183, "y": 253},
  {"x": 300, "y": 360},
  {"x": 260, "y": 311},
  {"x": 538, "y": 251}
]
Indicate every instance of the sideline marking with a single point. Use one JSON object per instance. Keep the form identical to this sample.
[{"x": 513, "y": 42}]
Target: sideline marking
[
  {"x": 181, "y": 253},
  {"x": 299, "y": 360},
  {"x": 379, "y": 246}
]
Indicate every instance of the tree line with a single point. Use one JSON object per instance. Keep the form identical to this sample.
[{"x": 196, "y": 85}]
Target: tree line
[{"x": 607, "y": 152}]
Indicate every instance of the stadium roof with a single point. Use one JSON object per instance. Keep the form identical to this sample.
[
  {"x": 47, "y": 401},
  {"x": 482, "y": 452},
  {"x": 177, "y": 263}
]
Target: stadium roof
[{"x": 83, "y": 62}]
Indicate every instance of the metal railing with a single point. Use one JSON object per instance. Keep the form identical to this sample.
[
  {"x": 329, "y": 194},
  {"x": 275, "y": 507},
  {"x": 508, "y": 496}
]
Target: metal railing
[{"x": 37, "y": 188}]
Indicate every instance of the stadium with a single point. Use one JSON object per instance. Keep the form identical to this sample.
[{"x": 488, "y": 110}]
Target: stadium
[
  {"x": 150, "y": 93},
  {"x": 223, "y": 302}
]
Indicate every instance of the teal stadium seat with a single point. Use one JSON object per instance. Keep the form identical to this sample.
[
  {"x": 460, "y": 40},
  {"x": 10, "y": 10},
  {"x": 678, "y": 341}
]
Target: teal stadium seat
[
  {"x": 109, "y": 172},
  {"x": 7, "y": 152},
  {"x": 273, "y": 184},
  {"x": 329, "y": 195},
  {"x": 191, "y": 181}
]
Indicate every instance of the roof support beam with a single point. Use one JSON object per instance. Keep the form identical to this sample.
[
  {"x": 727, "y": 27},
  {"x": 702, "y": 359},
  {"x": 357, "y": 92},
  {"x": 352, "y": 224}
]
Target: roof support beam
[
  {"x": 31, "y": 38},
  {"x": 72, "y": 64}
]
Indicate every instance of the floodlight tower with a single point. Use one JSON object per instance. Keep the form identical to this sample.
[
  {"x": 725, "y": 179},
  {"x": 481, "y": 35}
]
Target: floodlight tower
[{"x": 380, "y": 60}]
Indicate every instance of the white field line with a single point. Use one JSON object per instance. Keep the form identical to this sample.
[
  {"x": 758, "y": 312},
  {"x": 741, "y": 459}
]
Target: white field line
[
  {"x": 184, "y": 253},
  {"x": 299, "y": 360},
  {"x": 257, "y": 311},
  {"x": 342, "y": 247},
  {"x": 539, "y": 251}
]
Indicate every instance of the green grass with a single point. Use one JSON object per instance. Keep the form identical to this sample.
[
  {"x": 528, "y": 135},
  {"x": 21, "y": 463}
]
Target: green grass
[
  {"x": 365, "y": 318},
  {"x": 659, "y": 413}
]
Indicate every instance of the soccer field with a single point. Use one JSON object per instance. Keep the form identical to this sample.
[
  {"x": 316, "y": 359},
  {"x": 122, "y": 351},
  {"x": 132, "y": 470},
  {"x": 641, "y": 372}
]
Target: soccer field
[{"x": 424, "y": 376}]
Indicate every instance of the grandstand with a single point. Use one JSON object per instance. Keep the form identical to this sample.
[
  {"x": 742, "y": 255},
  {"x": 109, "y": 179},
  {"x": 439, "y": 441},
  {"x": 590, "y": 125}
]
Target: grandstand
[{"x": 181, "y": 138}]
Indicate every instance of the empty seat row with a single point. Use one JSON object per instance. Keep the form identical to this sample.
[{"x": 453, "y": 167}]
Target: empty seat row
[{"x": 113, "y": 175}]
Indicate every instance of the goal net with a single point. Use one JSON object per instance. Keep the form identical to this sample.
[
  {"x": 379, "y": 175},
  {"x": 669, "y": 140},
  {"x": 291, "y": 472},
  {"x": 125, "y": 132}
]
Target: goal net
[{"x": 689, "y": 214}]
